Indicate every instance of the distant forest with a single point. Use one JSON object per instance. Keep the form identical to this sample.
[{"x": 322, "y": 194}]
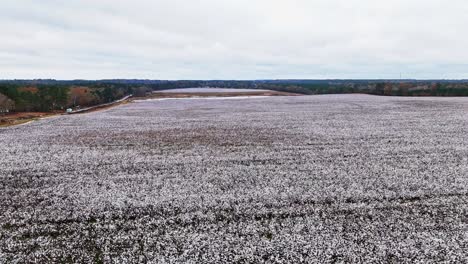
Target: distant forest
[{"x": 55, "y": 95}]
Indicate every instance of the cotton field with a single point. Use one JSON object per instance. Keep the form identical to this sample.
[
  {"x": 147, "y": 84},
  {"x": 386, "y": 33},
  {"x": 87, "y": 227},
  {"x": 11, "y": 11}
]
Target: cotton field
[
  {"x": 210, "y": 90},
  {"x": 306, "y": 179}
]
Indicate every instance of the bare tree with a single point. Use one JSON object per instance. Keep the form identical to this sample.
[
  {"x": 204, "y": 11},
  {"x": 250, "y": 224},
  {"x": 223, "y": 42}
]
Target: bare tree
[{"x": 6, "y": 104}]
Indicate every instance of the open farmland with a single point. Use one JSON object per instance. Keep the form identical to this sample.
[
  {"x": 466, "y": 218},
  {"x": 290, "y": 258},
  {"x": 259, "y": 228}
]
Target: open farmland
[
  {"x": 211, "y": 90},
  {"x": 280, "y": 179},
  {"x": 214, "y": 92}
]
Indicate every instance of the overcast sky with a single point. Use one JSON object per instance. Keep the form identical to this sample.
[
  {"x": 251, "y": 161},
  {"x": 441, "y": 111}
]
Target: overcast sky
[{"x": 233, "y": 39}]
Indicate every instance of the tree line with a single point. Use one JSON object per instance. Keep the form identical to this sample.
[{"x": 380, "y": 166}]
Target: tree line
[
  {"x": 55, "y": 97},
  {"x": 51, "y": 95}
]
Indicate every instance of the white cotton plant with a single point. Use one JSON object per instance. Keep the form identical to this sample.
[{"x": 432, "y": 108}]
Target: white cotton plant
[{"x": 332, "y": 178}]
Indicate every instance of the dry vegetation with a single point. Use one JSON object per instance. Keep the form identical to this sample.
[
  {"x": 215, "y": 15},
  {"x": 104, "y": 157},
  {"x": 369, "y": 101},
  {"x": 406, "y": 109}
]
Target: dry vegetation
[
  {"x": 281, "y": 179},
  {"x": 12, "y": 119}
]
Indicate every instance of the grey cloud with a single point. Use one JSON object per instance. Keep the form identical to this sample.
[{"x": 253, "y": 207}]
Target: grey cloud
[{"x": 233, "y": 39}]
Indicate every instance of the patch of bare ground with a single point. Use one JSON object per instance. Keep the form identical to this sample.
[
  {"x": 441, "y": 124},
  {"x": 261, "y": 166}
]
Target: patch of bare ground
[
  {"x": 12, "y": 119},
  {"x": 19, "y": 118}
]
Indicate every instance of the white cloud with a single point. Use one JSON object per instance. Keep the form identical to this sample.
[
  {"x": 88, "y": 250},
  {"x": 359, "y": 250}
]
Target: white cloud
[{"x": 233, "y": 39}]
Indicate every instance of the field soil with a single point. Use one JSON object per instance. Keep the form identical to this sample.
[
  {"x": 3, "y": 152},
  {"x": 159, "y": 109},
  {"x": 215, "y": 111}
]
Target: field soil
[
  {"x": 18, "y": 118},
  {"x": 286, "y": 179},
  {"x": 12, "y": 119}
]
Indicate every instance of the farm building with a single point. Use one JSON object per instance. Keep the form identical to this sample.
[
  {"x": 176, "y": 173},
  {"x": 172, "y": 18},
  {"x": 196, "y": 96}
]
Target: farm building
[{"x": 6, "y": 104}]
